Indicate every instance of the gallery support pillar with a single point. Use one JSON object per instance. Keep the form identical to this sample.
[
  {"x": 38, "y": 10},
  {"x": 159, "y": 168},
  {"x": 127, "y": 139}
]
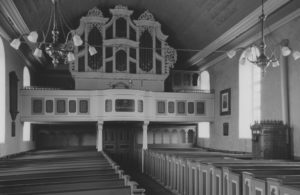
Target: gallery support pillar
[
  {"x": 99, "y": 136},
  {"x": 145, "y": 143}
]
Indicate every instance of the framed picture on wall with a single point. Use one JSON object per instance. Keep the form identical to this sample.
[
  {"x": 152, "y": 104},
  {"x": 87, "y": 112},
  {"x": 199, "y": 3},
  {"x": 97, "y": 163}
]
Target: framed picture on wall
[{"x": 225, "y": 102}]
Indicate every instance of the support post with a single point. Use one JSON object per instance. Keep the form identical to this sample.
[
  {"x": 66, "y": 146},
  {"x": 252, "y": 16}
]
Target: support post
[
  {"x": 100, "y": 136},
  {"x": 145, "y": 143},
  {"x": 186, "y": 137}
]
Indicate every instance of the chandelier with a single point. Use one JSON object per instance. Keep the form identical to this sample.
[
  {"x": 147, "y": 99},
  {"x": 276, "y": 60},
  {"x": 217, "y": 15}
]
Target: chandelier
[
  {"x": 256, "y": 54},
  {"x": 60, "y": 53}
]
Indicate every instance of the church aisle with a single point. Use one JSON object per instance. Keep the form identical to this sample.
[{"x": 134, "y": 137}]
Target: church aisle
[{"x": 147, "y": 183}]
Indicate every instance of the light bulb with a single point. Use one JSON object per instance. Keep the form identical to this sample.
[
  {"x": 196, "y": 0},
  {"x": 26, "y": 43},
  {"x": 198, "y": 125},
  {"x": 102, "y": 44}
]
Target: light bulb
[
  {"x": 33, "y": 36},
  {"x": 16, "y": 43},
  {"x": 242, "y": 61},
  {"x": 275, "y": 64},
  {"x": 92, "y": 50},
  {"x": 231, "y": 53},
  {"x": 71, "y": 57},
  {"x": 296, "y": 55},
  {"x": 77, "y": 40},
  {"x": 286, "y": 51},
  {"x": 37, "y": 52}
]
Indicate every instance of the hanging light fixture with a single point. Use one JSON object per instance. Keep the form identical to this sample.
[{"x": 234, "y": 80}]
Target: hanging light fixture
[
  {"x": 262, "y": 60},
  {"x": 60, "y": 53}
]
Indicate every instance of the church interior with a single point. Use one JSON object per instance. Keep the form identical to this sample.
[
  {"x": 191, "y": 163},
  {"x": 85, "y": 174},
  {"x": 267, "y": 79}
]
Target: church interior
[{"x": 137, "y": 97}]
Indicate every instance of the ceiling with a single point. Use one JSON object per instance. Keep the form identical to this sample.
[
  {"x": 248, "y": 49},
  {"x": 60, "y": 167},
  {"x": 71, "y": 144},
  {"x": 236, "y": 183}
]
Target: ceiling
[{"x": 190, "y": 24}]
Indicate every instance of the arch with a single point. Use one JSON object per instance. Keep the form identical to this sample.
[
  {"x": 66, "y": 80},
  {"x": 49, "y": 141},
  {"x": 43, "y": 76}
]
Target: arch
[
  {"x": 174, "y": 139},
  {"x": 195, "y": 79},
  {"x": 249, "y": 91},
  {"x": 166, "y": 136},
  {"x": 95, "y": 39},
  {"x": 146, "y": 52},
  {"x": 191, "y": 136},
  {"x": 2, "y": 92},
  {"x": 205, "y": 81},
  {"x": 26, "y": 77}
]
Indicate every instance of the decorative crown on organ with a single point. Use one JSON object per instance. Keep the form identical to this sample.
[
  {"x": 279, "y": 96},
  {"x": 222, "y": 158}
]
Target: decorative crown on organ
[{"x": 121, "y": 45}]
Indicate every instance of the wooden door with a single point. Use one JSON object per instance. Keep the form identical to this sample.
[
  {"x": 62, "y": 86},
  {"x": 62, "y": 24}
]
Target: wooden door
[{"x": 118, "y": 143}]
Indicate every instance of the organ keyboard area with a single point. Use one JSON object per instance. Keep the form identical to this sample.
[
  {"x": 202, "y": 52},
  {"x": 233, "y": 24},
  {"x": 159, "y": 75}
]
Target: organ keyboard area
[{"x": 194, "y": 171}]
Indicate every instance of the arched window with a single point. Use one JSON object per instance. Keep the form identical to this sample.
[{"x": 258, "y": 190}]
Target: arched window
[
  {"x": 26, "y": 77},
  {"x": 2, "y": 92},
  {"x": 249, "y": 91},
  {"x": 204, "y": 81}
]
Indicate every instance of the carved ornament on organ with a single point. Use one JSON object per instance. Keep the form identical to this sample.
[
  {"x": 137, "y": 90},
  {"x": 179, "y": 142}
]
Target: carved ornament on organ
[{"x": 123, "y": 45}]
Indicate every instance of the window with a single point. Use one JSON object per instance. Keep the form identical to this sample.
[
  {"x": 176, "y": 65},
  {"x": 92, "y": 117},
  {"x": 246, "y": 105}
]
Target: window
[
  {"x": 26, "y": 77},
  {"x": 204, "y": 130},
  {"x": 204, "y": 81},
  {"x": 2, "y": 92},
  {"x": 249, "y": 92},
  {"x": 26, "y": 131}
]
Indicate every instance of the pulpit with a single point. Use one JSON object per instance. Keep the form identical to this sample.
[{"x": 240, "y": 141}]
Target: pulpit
[{"x": 270, "y": 140}]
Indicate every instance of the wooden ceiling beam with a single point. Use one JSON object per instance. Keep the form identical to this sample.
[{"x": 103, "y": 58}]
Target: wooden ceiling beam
[{"x": 238, "y": 29}]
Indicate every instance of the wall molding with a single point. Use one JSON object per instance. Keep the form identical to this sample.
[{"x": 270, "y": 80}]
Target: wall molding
[
  {"x": 256, "y": 37},
  {"x": 244, "y": 25}
]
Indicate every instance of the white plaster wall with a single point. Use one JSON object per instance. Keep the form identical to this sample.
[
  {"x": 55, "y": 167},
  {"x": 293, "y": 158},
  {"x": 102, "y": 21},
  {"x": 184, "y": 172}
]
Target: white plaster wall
[
  {"x": 15, "y": 144},
  {"x": 225, "y": 75}
]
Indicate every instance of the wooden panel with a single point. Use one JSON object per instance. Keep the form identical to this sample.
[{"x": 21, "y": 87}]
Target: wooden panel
[
  {"x": 171, "y": 107},
  {"x": 140, "y": 106},
  {"x": 72, "y": 106},
  {"x": 37, "y": 106},
  {"x": 200, "y": 107},
  {"x": 49, "y": 106},
  {"x": 124, "y": 105},
  {"x": 191, "y": 107},
  {"x": 83, "y": 106},
  {"x": 181, "y": 107},
  {"x": 60, "y": 106},
  {"x": 161, "y": 107},
  {"x": 108, "y": 105}
]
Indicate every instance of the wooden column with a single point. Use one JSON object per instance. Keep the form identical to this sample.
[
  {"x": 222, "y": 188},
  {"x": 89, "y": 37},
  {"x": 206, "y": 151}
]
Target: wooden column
[
  {"x": 145, "y": 143},
  {"x": 186, "y": 137},
  {"x": 100, "y": 136}
]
